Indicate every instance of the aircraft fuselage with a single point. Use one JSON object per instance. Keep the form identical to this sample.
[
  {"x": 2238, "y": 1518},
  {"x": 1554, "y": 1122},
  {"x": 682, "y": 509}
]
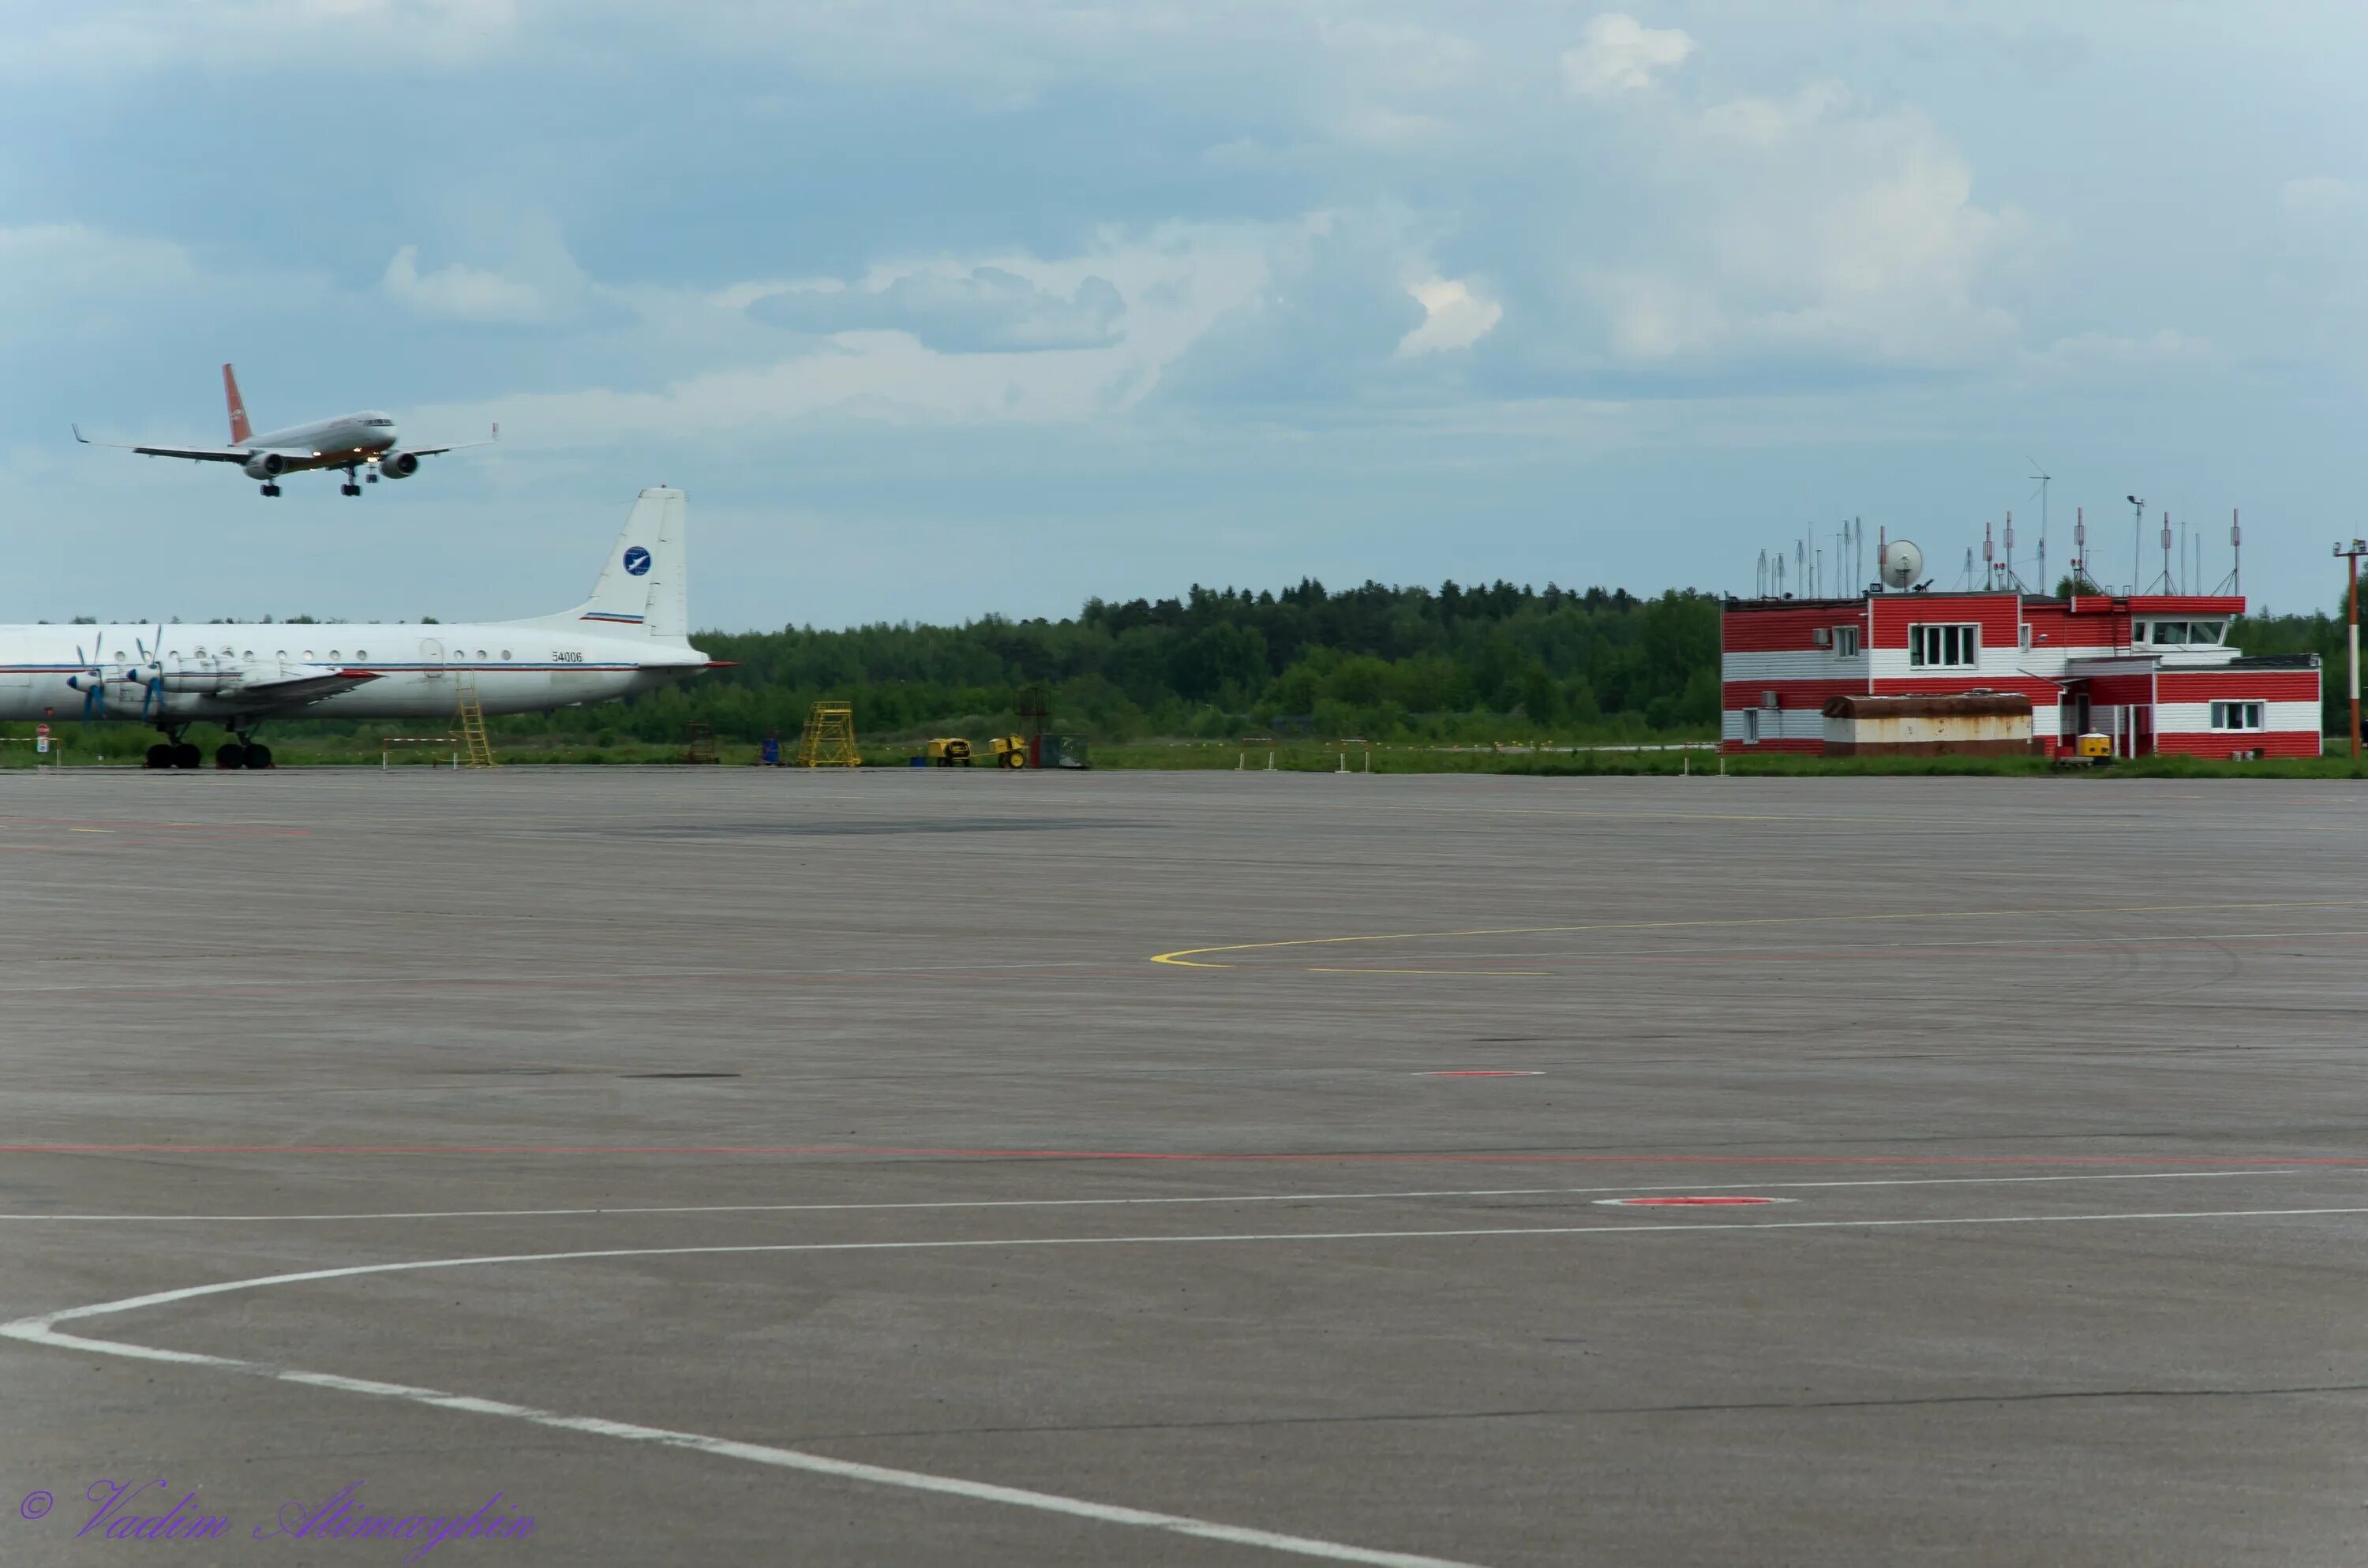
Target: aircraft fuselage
[
  {"x": 198, "y": 672},
  {"x": 347, "y": 439}
]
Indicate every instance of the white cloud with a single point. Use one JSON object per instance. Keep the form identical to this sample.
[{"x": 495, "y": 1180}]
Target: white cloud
[
  {"x": 45, "y": 264},
  {"x": 1620, "y": 54},
  {"x": 1453, "y": 317},
  {"x": 980, "y": 310},
  {"x": 100, "y": 38},
  {"x": 940, "y": 362},
  {"x": 460, "y": 292},
  {"x": 2318, "y": 196},
  {"x": 1808, "y": 226},
  {"x": 2091, "y": 352}
]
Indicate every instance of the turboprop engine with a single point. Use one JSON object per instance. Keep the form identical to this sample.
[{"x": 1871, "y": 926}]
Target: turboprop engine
[
  {"x": 265, "y": 465},
  {"x": 399, "y": 465}
]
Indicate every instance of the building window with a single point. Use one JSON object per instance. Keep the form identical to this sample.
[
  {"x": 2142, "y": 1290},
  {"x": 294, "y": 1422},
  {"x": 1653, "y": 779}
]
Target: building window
[
  {"x": 1846, "y": 642},
  {"x": 1944, "y": 647},
  {"x": 1751, "y": 726},
  {"x": 2237, "y": 716}
]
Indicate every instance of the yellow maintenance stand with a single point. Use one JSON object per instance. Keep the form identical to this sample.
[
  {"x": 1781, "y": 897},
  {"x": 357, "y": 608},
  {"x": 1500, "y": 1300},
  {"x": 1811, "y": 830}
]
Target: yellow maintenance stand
[{"x": 830, "y": 738}]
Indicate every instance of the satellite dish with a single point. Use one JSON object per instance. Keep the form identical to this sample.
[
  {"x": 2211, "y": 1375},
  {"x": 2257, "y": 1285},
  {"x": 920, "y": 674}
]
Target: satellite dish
[{"x": 1901, "y": 562}]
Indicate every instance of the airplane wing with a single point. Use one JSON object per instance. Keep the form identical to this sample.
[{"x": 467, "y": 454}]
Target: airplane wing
[
  {"x": 296, "y": 691},
  {"x": 458, "y": 446},
  {"x": 195, "y": 454}
]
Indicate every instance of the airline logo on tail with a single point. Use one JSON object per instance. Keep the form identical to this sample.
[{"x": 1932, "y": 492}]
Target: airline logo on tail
[
  {"x": 637, "y": 561},
  {"x": 241, "y": 432}
]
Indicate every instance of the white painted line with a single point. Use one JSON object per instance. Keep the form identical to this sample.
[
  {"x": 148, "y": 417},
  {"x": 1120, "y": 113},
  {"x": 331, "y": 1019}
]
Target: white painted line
[
  {"x": 1706, "y": 1200},
  {"x": 761, "y": 1453},
  {"x": 1138, "y": 1202},
  {"x": 42, "y": 1329}
]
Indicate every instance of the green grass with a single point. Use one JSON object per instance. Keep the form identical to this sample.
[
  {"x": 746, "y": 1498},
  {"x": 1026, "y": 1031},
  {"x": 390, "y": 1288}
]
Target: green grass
[{"x": 123, "y": 746}]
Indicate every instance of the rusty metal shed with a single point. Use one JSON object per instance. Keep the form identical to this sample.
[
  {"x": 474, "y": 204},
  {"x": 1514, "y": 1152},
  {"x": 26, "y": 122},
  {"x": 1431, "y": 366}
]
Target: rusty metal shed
[{"x": 1975, "y": 724}]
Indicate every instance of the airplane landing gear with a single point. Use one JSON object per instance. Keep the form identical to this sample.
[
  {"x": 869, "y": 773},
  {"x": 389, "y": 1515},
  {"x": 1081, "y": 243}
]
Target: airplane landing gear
[
  {"x": 271, "y": 490},
  {"x": 239, "y": 752},
  {"x": 173, "y": 752},
  {"x": 349, "y": 487}
]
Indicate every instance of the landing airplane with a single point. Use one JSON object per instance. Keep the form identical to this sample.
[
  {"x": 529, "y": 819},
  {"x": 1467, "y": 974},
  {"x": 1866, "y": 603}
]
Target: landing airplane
[
  {"x": 632, "y": 635},
  {"x": 354, "y": 442}
]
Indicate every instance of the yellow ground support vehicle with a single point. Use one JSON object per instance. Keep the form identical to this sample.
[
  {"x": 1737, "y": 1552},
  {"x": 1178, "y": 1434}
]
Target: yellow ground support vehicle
[
  {"x": 2091, "y": 750},
  {"x": 953, "y": 752},
  {"x": 1010, "y": 751}
]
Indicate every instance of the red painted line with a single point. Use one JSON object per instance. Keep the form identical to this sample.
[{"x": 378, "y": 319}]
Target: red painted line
[
  {"x": 173, "y": 826},
  {"x": 1342, "y": 1157}
]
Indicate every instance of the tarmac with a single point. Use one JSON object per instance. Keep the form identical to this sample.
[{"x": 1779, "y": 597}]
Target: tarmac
[{"x": 1208, "y": 1169}]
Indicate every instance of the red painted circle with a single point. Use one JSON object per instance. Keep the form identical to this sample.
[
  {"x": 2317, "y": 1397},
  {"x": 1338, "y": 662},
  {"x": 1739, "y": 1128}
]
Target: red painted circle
[{"x": 1689, "y": 1202}]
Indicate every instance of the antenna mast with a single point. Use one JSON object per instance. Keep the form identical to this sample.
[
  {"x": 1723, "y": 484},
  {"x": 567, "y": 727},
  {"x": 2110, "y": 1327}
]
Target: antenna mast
[{"x": 2042, "y": 475}]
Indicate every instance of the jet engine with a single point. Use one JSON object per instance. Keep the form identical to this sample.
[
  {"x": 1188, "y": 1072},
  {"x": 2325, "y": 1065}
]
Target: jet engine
[
  {"x": 399, "y": 465},
  {"x": 265, "y": 465}
]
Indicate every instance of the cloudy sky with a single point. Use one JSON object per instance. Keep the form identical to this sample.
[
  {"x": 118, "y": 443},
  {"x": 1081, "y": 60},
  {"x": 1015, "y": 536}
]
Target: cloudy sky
[{"x": 952, "y": 306}]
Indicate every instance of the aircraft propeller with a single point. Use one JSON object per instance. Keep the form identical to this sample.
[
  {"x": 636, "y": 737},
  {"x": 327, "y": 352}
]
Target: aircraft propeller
[
  {"x": 151, "y": 690},
  {"x": 92, "y": 682}
]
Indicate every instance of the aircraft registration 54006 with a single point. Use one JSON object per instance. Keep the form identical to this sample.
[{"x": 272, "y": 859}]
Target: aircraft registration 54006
[{"x": 632, "y": 635}]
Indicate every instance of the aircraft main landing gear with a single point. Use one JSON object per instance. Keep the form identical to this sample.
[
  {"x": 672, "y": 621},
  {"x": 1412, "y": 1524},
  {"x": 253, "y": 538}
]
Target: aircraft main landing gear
[
  {"x": 271, "y": 490},
  {"x": 173, "y": 752},
  {"x": 349, "y": 487},
  {"x": 237, "y": 752}
]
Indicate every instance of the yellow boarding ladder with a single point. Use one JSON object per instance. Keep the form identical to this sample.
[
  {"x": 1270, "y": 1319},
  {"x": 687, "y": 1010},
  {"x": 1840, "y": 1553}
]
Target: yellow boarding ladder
[{"x": 474, "y": 744}]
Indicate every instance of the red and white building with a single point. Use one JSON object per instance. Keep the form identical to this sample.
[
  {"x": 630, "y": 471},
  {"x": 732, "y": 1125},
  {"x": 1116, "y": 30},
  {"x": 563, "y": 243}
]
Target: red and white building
[{"x": 2153, "y": 671}]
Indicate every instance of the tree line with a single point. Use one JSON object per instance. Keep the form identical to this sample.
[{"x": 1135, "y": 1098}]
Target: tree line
[{"x": 1383, "y": 662}]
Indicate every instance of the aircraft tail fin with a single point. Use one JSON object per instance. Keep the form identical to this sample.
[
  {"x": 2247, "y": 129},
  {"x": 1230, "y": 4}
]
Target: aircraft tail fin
[
  {"x": 642, "y": 587},
  {"x": 241, "y": 432}
]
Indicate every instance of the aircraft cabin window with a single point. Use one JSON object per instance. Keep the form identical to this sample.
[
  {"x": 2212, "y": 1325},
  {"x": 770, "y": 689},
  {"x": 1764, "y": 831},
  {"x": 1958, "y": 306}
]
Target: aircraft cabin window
[
  {"x": 481, "y": 653},
  {"x": 335, "y": 654},
  {"x": 506, "y": 652},
  {"x": 308, "y": 655},
  {"x": 361, "y": 652}
]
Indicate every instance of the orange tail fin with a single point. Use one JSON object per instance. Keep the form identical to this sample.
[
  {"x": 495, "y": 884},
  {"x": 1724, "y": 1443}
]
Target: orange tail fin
[{"x": 241, "y": 432}]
